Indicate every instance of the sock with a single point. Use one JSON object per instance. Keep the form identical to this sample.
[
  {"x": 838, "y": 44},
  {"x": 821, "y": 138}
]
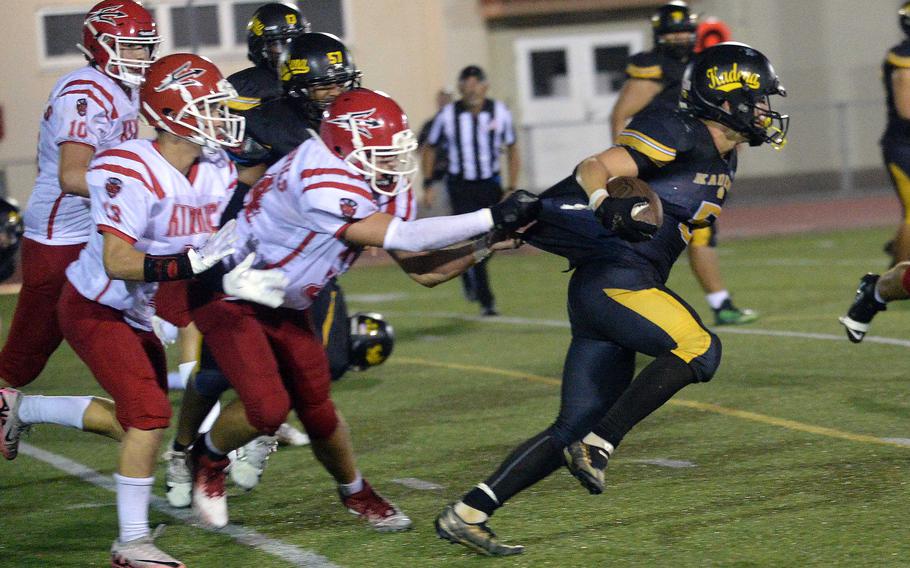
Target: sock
[
  {"x": 878, "y": 296},
  {"x": 133, "y": 496},
  {"x": 654, "y": 386},
  {"x": 213, "y": 451},
  {"x": 356, "y": 486},
  {"x": 593, "y": 439},
  {"x": 62, "y": 410},
  {"x": 469, "y": 514},
  {"x": 716, "y": 299}
]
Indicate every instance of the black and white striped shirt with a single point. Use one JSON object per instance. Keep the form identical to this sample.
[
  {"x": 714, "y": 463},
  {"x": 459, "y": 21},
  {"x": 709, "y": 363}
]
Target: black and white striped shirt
[{"x": 474, "y": 141}]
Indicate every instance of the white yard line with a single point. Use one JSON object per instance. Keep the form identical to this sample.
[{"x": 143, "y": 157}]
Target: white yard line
[{"x": 279, "y": 549}]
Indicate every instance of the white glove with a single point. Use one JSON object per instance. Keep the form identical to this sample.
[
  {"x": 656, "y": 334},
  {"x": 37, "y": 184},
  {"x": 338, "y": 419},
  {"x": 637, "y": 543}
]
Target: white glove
[
  {"x": 164, "y": 330},
  {"x": 264, "y": 287},
  {"x": 217, "y": 247}
]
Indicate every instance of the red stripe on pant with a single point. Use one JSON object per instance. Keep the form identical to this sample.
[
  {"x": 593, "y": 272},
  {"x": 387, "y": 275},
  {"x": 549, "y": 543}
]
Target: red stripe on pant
[
  {"x": 35, "y": 334},
  {"x": 273, "y": 360},
  {"x": 128, "y": 363}
]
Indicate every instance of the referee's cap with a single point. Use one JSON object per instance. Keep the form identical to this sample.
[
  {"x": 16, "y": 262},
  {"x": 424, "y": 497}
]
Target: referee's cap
[{"x": 472, "y": 71}]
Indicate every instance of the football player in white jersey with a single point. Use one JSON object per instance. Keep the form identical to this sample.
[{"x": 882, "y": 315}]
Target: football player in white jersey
[
  {"x": 155, "y": 204},
  {"x": 309, "y": 217},
  {"x": 89, "y": 110}
]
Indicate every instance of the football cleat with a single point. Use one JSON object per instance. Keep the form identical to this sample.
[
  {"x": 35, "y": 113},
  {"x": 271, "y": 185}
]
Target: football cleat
[
  {"x": 587, "y": 463},
  {"x": 376, "y": 510},
  {"x": 142, "y": 553},
  {"x": 178, "y": 479},
  {"x": 289, "y": 436},
  {"x": 10, "y": 426},
  {"x": 209, "y": 499},
  {"x": 728, "y": 314},
  {"x": 476, "y": 536},
  {"x": 863, "y": 309},
  {"x": 250, "y": 460}
]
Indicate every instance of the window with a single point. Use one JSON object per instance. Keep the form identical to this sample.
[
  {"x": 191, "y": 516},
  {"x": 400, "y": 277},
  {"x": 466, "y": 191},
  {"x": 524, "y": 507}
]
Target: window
[
  {"x": 61, "y": 34},
  {"x": 549, "y": 73},
  {"x": 195, "y": 26},
  {"x": 609, "y": 68}
]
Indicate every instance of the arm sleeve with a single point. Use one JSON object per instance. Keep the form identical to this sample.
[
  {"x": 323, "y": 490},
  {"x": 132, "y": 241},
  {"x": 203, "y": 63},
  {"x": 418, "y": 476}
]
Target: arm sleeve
[
  {"x": 658, "y": 138},
  {"x": 120, "y": 204},
  {"x": 899, "y": 56},
  {"x": 644, "y": 65},
  {"x": 435, "y": 233}
]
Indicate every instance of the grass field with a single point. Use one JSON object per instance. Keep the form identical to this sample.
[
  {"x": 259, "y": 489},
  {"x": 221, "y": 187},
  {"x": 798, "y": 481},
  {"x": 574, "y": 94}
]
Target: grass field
[{"x": 789, "y": 453}]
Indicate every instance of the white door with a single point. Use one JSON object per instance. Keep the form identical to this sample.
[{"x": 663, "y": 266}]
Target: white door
[{"x": 567, "y": 86}]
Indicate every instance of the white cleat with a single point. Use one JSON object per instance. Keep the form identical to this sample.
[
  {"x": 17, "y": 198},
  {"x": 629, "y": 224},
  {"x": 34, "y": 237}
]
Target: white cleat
[
  {"x": 250, "y": 461},
  {"x": 289, "y": 436},
  {"x": 375, "y": 509},
  {"x": 178, "y": 480},
  {"x": 10, "y": 425},
  {"x": 209, "y": 498},
  {"x": 142, "y": 553}
]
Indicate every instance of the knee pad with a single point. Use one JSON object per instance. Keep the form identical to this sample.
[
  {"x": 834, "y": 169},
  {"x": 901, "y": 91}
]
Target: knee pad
[
  {"x": 267, "y": 413},
  {"x": 211, "y": 383},
  {"x": 320, "y": 421},
  {"x": 704, "y": 366}
]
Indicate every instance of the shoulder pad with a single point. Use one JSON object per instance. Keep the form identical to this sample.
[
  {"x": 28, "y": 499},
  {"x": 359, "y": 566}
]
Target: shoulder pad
[
  {"x": 644, "y": 65},
  {"x": 658, "y": 135}
]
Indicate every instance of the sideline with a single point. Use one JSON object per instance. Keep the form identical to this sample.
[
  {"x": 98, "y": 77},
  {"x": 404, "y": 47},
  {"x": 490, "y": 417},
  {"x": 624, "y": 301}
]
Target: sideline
[{"x": 279, "y": 549}]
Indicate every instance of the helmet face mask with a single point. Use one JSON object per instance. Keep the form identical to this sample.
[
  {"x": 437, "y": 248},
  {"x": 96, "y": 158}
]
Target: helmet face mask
[
  {"x": 674, "y": 29},
  {"x": 187, "y": 96},
  {"x": 269, "y": 34},
  {"x": 732, "y": 84},
  {"x": 112, "y": 32},
  {"x": 370, "y": 132}
]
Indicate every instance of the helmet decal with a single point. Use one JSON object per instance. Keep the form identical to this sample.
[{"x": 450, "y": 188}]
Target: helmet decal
[
  {"x": 732, "y": 79},
  {"x": 182, "y": 76},
  {"x": 360, "y": 120},
  {"x": 107, "y": 15}
]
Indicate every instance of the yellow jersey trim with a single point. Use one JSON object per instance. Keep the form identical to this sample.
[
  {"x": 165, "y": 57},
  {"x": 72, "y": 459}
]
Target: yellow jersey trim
[
  {"x": 898, "y": 60},
  {"x": 243, "y": 103},
  {"x": 648, "y": 146},
  {"x": 650, "y": 72}
]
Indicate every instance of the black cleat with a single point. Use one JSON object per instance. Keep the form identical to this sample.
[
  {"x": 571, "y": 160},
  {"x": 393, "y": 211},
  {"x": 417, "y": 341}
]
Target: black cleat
[
  {"x": 863, "y": 309},
  {"x": 587, "y": 463},
  {"x": 478, "y": 537}
]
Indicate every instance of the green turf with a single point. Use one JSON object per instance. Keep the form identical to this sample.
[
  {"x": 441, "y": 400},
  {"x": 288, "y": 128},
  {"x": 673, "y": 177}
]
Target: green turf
[{"x": 759, "y": 494}]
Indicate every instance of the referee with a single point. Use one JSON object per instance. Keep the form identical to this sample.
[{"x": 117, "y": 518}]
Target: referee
[{"x": 475, "y": 130}]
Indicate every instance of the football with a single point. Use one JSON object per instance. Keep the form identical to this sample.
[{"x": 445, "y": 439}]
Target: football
[{"x": 652, "y": 213}]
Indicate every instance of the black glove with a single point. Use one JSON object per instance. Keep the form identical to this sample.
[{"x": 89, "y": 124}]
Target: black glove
[
  {"x": 616, "y": 214},
  {"x": 515, "y": 211}
]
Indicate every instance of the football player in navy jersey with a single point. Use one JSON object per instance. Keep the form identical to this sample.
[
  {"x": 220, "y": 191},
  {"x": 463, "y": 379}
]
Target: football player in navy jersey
[
  {"x": 652, "y": 85},
  {"x": 618, "y": 302},
  {"x": 896, "y": 139}
]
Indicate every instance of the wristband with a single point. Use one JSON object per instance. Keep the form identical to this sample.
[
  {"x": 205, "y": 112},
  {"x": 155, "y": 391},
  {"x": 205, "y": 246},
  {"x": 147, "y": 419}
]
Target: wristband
[
  {"x": 166, "y": 267},
  {"x": 598, "y": 193}
]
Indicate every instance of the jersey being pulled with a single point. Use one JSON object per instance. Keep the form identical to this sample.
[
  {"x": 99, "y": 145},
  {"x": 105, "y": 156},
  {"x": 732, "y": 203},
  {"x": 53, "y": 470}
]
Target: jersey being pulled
[
  {"x": 677, "y": 157},
  {"x": 654, "y": 65},
  {"x": 140, "y": 197},
  {"x": 86, "y": 107},
  {"x": 294, "y": 218},
  {"x": 898, "y": 58}
]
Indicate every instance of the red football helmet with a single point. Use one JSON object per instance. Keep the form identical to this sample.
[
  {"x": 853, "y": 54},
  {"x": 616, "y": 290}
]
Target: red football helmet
[
  {"x": 369, "y": 131},
  {"x": 186, "y": 95},
  {"x": 113, "y": 25}
]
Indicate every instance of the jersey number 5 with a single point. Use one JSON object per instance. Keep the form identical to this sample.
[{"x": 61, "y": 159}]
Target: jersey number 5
[{"x": 706, "y": 214}]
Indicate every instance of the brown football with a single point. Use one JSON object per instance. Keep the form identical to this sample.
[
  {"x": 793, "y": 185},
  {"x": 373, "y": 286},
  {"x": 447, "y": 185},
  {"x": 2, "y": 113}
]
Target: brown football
[{"x": 652, "y": 213}]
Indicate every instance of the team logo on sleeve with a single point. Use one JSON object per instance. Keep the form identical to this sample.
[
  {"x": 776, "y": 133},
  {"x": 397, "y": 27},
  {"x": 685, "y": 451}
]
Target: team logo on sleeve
[
  {"x": 113, "y": 186},
  {"x": 359, "y": 119},
  {"x": 48, "y": 112},
  {"x": 81, "y": 106},
  {"x": 183, "y": 76},
  {"x": 348, "y": 207}
]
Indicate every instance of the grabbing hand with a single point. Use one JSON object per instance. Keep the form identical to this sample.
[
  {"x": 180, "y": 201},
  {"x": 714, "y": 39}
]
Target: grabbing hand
[
  {"x": 618, "y": 215},
  {"x": 264, "y": 287},
  {"x": 515, "y": 211},
  {"x": 217, "y": 247}
]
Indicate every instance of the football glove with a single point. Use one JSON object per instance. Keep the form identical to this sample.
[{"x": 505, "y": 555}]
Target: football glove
[
  {"x": 616, "y": 214},
  {"x": 217, "y": 247},
  {"x": 515, "y": 211},
  {"x": 264, "y": 287}
]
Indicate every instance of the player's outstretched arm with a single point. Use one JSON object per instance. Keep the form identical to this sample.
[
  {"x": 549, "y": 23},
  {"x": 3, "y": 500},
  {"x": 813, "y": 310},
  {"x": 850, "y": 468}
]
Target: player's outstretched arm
[{"x": 435, "y": 267}]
